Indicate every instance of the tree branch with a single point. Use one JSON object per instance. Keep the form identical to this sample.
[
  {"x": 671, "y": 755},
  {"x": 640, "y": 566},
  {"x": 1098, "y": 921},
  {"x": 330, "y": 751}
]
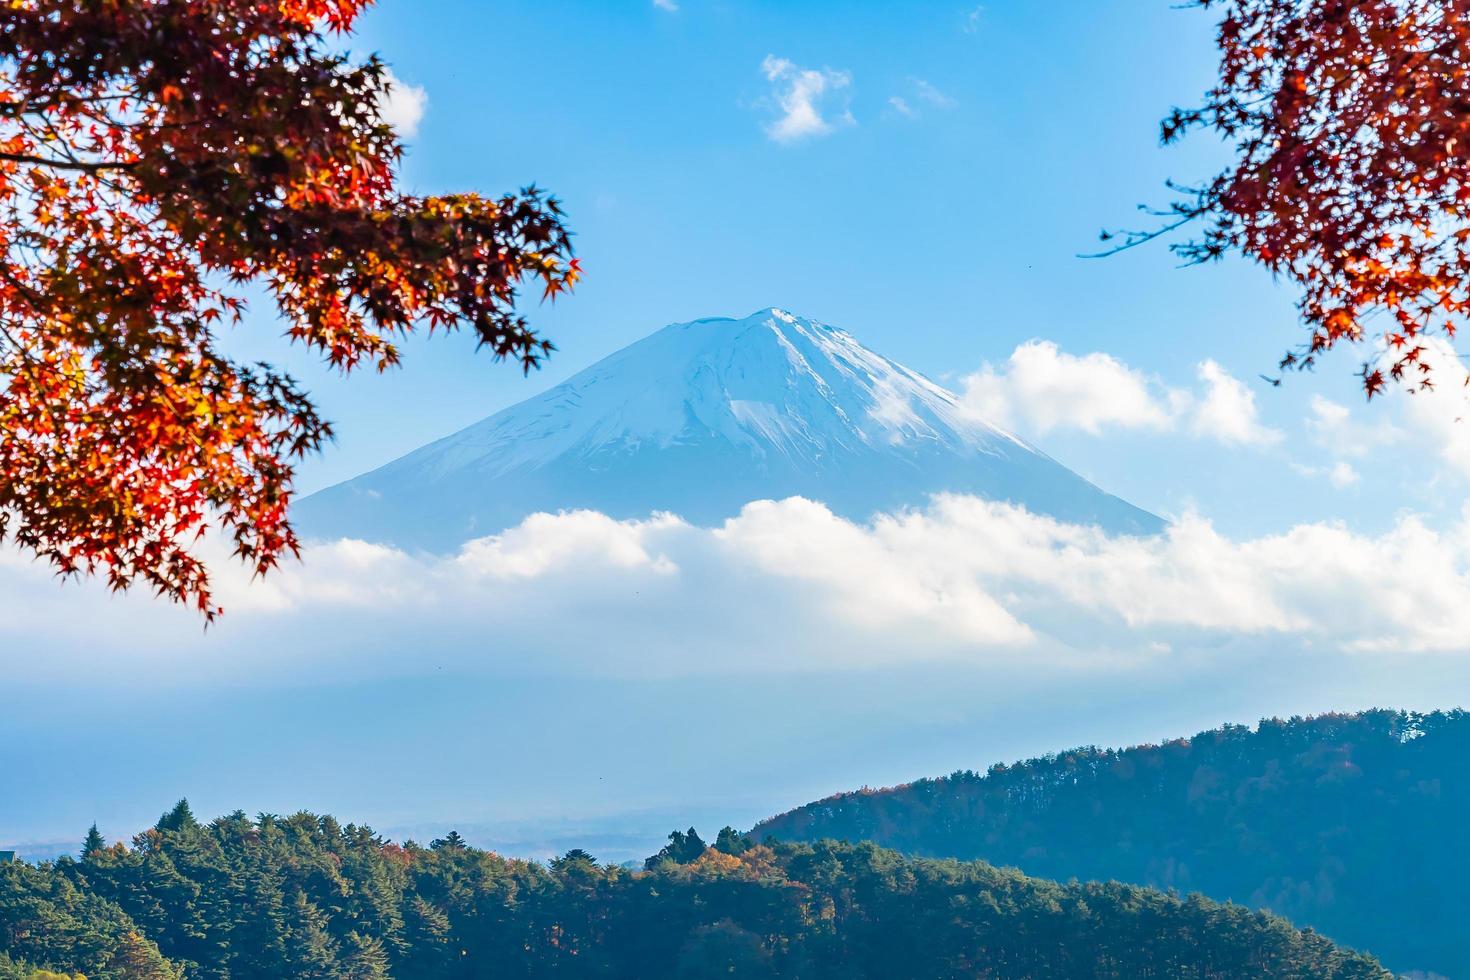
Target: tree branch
[{"x": 82, "y": 165}]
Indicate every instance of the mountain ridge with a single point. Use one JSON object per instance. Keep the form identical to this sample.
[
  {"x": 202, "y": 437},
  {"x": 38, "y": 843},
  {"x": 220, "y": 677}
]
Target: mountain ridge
[{"x": 1309, "y": 817}]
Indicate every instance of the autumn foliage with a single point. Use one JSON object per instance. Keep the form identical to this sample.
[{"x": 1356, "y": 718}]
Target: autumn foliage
[
  {"x": 1350, "y": 122},
  {"x": 156, "y": 156}
]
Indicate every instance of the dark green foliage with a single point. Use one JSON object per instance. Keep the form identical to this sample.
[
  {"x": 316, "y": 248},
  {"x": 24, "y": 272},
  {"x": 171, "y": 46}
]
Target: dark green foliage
[
  {"x": 683, "y": 846},
  {"x": 93, "y": 842},
  {"x": 1352, "y": 824},
  {"x": 366, "y": 959},
  {"x": 576, "y": 857},
  {"x": 732, "y": 841},
  {"x": 179, "y": 818},
  {"x": 304, "y": 897},
  {"x": 723, "y": 949},
  {"x": 49, "y": 919}
]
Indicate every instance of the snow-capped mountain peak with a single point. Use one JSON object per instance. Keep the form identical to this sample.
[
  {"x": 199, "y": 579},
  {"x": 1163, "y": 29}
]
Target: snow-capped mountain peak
[
  {"x": 772, "y": 383},
  {"x": 700, "y": 418}
]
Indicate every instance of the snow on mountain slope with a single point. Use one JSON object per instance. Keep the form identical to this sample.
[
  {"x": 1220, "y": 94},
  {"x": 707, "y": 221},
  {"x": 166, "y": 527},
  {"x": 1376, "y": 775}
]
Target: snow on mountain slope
[{"x": 699, "y": 419}]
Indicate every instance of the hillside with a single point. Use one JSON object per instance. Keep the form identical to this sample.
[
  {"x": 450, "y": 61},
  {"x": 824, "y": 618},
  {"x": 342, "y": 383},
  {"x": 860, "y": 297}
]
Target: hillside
[
  {"x": 699, "y": 419},
  {"x": 1352, "y": 824},
  {"x": 304, "y": 897}
]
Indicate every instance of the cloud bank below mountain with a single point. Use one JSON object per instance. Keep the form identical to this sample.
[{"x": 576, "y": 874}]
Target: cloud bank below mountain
[{"x": 786, "y": 585}]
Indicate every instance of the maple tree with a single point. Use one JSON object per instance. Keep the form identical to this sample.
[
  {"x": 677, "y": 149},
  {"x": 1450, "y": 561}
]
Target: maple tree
[
  {"x": 156, "y": 157},
  {"x": 1350, "y": 124}
]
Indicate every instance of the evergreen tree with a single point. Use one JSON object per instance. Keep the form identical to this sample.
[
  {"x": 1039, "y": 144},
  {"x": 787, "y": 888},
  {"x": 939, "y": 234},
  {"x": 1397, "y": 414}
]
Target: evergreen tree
[
  {"x": 366, "y": 959},
  {"x": 93, "y": 843},
  {"x": 683, "y": 847},
  {"x": 179, "y": 818},
  {"x": 574, "y": 858},
  {"x": 135, "y": 958},
  {"x": 311, "y": 952},
  {"x": 731, "y": 841},
  {"x": 428, "y": 936}
]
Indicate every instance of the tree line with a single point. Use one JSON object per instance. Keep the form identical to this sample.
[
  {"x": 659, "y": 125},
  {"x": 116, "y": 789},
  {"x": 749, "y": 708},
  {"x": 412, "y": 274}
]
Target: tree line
[{"x": 305, "y": 897}]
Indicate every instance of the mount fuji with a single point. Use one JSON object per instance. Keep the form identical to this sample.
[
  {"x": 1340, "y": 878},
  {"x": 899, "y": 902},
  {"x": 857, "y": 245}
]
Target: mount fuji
[{"x": 699, "y": 419}]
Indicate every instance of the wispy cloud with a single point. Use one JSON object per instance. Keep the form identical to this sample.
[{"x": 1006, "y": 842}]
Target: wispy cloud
[
  {"x": 1426, "y": 426},
  {"x": 670, "y": 5},
  {"x": 932, "y": 95},
  {"x": 920, "y": 91},
  {"x": 1439, "y": 416},
  {"x": 973, "y": 19},
  {"x": 1340, "y": 474},
  {"x": 812, "y": 102}
]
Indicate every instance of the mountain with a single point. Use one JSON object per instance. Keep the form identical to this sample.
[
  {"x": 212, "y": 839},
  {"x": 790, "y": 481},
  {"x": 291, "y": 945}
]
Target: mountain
[
  {"x": 699, "y": 419},
  {"x": 305, "y": 897},
  {"x": 1352, "y": 824}
]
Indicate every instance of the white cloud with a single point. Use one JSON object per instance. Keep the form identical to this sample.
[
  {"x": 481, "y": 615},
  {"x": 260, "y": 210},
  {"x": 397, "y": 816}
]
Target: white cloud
[
  {"x": 1441, "y": 415},
  {"x": 973, "y": 20},
  {"x": 867, "y": 578},
  {"x": 995, "y": 574},
  {"x": 812, "y": 102},
  {"x": 1342, "y": 475},
  {"x": 901, "y": 106},
  {"x": 1420, "y": 425},
  {"x": 545, "y": 543},
  {"x": 1228, "y": 412},
  {"x": 403, "y": 106},
  {"x": 1330, "y": 424},
  {"x": 1041, "y": 388},
  {"x": 670, "y": 5},
  {"x": 352, "y": 573},
  {"x": 784, "y": 586}
]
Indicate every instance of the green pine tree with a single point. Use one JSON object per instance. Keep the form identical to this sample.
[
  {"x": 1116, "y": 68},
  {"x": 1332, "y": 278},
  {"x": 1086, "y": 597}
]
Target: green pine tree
[
  {"x": 179, "y": 818},
  {"x": 311, "y": 952},
  {"x": 366, "y": 959},
  {"x": 93, "y": 843}
]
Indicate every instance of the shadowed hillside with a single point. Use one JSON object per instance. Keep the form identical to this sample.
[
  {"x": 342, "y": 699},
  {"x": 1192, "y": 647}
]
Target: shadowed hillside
[{"x": 1352, "y": 824}]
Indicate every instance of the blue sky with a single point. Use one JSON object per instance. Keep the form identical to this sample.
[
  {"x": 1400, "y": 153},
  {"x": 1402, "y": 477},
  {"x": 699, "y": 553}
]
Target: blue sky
[
  {"x": 940, "y": 167},
  {"x": 971, "y": 153},
  {"x": 942, "y": 238}
]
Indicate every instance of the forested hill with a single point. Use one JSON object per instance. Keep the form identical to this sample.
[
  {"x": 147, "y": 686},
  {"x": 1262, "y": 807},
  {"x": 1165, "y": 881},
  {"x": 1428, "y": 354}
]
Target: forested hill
[
  {"x": 303, "y": 897},
  {"x": 1352, "y": 824}
]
